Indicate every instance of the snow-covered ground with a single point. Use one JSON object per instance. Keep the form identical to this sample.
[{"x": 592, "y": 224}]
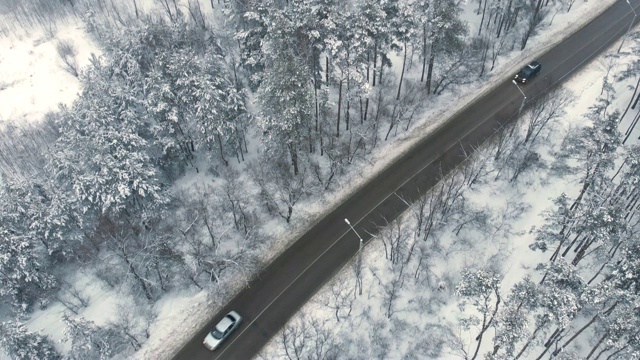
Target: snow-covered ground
[
  {"x": 516, "y": 209},
  {"x": 32, "y": 82},
  {"x": 505, "y": 246}
]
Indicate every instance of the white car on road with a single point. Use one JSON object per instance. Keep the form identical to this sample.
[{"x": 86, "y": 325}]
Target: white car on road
[{"x": 222, "y": 330}]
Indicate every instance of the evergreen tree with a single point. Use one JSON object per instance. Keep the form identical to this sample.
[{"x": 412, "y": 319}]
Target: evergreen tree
[
  {"x": 102, "y": 155},
  {"x": 285, "y": 94},
  {"x": 594, "y": 148},
  {"x": 24, "y": 262},
  {"x": 23, "y": 344}
]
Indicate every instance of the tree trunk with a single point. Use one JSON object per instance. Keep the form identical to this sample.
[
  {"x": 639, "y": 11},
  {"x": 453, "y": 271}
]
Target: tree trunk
[
  {"x": 366, "y": 109},
  {"x": 526, "y": 345},
  {"x": 575, "y": 239},
  {"x": 294, "y": 159},
  {"x": 424, "y": 51},
  {"x": 404, "y": 62},
  {"x": 339, "y": 109},
  {"x": 381, "y": 68},
  {"x": 326, "y": 70},
  {"x": 219, "y": 138},
  {"x": 485, "y": 327},
  {"x": 432, "y": 59},
  {"x": 347, "y": 115},
  {"x": 484, "y": 10},
  {"x": 585, "y": 186},
  {"x": 635, "y": 103},
  {"x": 593, "y": 319},
  {"x": 597, "y": 345},
  {"x": 368, "y": 65},
  {"x": 375, "y": 63}
]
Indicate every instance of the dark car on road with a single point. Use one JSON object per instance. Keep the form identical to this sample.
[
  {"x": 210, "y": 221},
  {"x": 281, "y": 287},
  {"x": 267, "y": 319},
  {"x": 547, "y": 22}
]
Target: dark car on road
[{"x": 528, "y": 72}]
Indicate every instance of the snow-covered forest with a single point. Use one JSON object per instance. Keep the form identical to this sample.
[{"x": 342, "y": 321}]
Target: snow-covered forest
[
  {"x": 464, "y": 274},
  {"x": 207, "y": 134}
]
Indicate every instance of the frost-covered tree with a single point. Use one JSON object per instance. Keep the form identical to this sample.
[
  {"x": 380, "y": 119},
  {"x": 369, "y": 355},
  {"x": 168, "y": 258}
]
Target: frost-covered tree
[
  {"x": 248, "y": 18},
  {"x": 147, "y": 258},
  {"x": 211, "y": 107},
  {"x": 24, "y": 262},
  {"x": 513, "y": 321},
  {"x": 617, "y": 297},
  {"x": 348, "y": 47},
  {"x": 285, "y": 94},
  {"x": 628, "y": 173},
  {"x": 482, "y": 289},
  {"x": 593, "y": 148},
  {"x": 591, "y": 153},
  {"x": 191, "y": 94},
  {"x": 280, "y": 191},
  {"x": 560, "y": 302},
  {"x": 44, "y": 211},
  {"x": 90, "y": 341},
  {"x": 372, "y": 30},
  {"x": 600, "y": 224},
  {"x": 102, "y": 156},
  {"x": 22, "y": 344},
  {"x": 442, "y": 35}
]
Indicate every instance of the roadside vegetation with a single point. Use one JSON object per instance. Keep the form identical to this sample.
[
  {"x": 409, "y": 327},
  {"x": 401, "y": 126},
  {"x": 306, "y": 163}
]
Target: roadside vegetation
[
  {"x": 527, "y": 251},
  {"x": 202, "y": 125}
]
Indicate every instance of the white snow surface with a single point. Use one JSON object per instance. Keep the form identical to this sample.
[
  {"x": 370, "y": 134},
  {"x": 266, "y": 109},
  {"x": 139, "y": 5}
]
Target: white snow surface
[{"x": 33, "y": 83}]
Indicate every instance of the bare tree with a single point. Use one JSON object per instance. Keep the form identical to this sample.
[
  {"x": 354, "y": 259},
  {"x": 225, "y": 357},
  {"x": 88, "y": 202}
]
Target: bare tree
[
  {"x": 23, "y": 148},
  {"x": 307, "y": 338},
  {"x": 475, "y": 169},
  {"x": 148, "y": 257},
  {"x": 544, "y": 112},
  {"x": 129, "y": 325},
  {"x": 234, "y": 200},
  {"x": 68, "y": 53},
  {"x": 280, "y": 190},
  {"x": 196, "y": 13},
  {"x": 71, "y": 297},
  {"x": 406, "y": 108},
  {"x": 340, "y": 299}
]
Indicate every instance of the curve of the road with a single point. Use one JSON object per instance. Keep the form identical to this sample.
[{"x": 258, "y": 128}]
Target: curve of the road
[{"x": 274, "y": 296}]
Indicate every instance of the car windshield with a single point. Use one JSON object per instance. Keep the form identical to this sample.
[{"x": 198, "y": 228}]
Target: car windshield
[
  {"x": 526, "y": 71},
  {"x": 216, "y": 334}
]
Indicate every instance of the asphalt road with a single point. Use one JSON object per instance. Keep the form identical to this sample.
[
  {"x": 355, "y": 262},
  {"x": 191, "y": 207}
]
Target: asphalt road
[{"x": 281, "y": 289}]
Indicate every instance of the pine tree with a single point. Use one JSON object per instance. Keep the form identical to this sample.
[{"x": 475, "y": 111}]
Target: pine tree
[
  {"x": 23, "y": 344},
  {"x": 513, "y": 321},
  {"x": 482, "y": 288},
  {"x": 103, "y": 155},
  {"x": 285, "y": 94},
  {"x": 24, "y": 262},
  {"x": 594, "y": 147}
]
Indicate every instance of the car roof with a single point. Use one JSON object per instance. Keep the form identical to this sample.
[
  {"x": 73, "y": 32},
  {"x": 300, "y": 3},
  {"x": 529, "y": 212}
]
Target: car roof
[{"x": 224, "y": 324}]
